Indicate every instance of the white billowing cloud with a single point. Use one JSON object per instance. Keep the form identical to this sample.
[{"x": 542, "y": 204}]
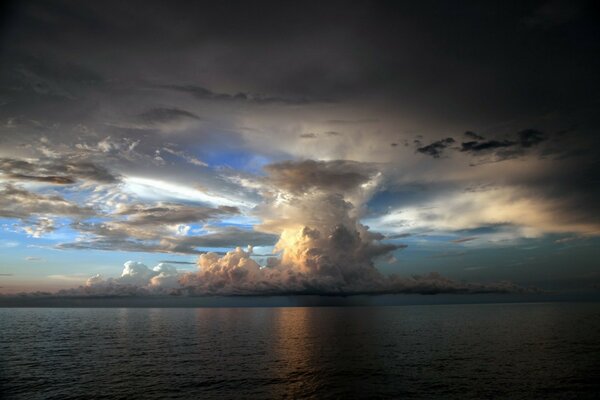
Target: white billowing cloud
[
  {"x": 94, "y": 280},
  {"x": 167, "y": 277},
  {"x": 136, "y": 278},
  {"x": 136, "y": 273}
]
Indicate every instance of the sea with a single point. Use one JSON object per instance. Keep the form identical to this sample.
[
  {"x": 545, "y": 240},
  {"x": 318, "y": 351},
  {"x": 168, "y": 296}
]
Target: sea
[{"x": 457, "y": 351}]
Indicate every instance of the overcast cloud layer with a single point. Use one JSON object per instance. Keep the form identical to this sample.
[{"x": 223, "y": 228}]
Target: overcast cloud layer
[{"x": 353, "y": 145}]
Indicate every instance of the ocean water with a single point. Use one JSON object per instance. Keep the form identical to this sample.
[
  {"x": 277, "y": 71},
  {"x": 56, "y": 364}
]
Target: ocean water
[{"x": 531, "y": 351}]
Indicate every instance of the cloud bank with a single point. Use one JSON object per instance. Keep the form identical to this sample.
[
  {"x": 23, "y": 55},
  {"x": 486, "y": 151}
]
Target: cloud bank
[
  {"x": 238, "y": 274},
  {"x": 322, "y": 248}
]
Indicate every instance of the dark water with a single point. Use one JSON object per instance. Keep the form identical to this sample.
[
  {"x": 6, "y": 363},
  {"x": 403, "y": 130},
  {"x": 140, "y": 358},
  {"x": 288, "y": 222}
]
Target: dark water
[{"x": 454, "y": 351}]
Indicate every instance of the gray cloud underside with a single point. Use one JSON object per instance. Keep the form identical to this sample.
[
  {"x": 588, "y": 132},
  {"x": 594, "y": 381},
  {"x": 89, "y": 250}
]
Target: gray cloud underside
[
  {"x": 334, "y": 176},
  {"x": 58, "y": 171},
  {"x": 22, "y": 204},
  {"x": 170, "y": 213},
  {"x": 164, "y": 115},
  {"x": 157, "y": 242}
]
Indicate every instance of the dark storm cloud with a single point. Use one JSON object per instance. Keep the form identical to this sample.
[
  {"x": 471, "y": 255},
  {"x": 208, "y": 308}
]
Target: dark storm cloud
[
  {"x": 206, "y": 94},
  {"x": 511, "y": 147},
  {"x": 576, "y": 190},
  {"x": 475, "y": 146},
  {"x": 163, "y": 115},
  {"x": 296, "y": 53},
  {"x": 436, "y": 148},
  {"x": 554, "y": 13},
  {"x": 523, "y": 140},
  {"x": 26, "y": 75},
  {"x": 352, "y": 121},
  {"x": 530, "y": 137},
  {"x": 473, "y": 135}
]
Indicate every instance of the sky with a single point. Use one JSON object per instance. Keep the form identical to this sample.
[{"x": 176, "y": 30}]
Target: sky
[{"x": 299, "y": 148}]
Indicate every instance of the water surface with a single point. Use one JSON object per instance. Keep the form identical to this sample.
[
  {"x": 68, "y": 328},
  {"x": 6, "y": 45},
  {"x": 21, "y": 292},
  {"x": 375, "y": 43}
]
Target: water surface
[{"x": 446, "y": 351}]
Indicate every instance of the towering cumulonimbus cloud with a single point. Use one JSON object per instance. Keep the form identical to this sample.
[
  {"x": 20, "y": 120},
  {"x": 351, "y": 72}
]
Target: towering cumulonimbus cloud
[{"x": 314, "y": 207}]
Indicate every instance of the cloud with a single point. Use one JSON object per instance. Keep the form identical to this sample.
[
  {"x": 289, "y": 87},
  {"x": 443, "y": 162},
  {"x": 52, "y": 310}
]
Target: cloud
[
  {"x": 524, "y": 139},
  {"x": 161, "y": 227},
  {"x": 398, "y": 235},
  {"x": 530, "y": 137},
  {"x": 314, "y": 208},
  {"x": 475, "y": 146},
  {"x": 179, "y": 262},
  {"x": 554, "y": 13},
  {"x": 136, "y": 279},
  {"x": 41, "y": 227},
  {"x": 241, "y": 97},
  {"x": 473, "y": 135},
  {"x": 189, "y": 158},
  {"x": 225, "y": 237},
  {"x": 330, "y": 176},
  {"x": 165, "y": 115},
  {"x": 22, "y": 204},
  {"x": 436, "y": 149},
  {"x": 155, "y": 239},
  {"x": 236, "y": 273},
  {"x": 37, "y": 212},
  {"x": 463, "y": 240},
  {"x": 526, "y": 210},
  {"x": 503, "y": 148},
  {"x": 170, "y": 213},
  {"x": 352, "y": 121},
  {"x": 56, "y": 171}
]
